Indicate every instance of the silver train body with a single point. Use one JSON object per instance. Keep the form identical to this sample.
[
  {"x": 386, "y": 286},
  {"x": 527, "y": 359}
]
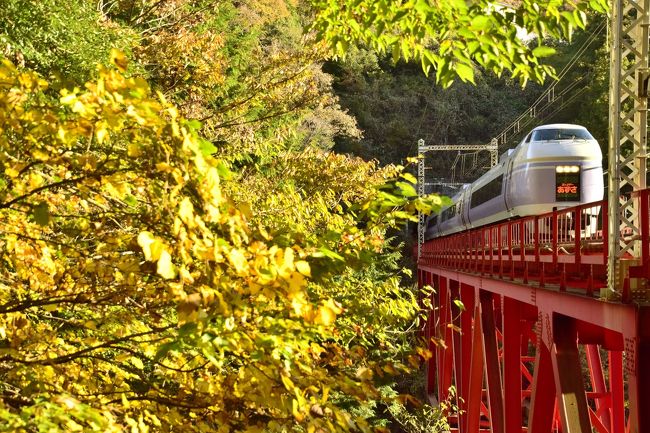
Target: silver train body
[{"x": 554, "y": 166}]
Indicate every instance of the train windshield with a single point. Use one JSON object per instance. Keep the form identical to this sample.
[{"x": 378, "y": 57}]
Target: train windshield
[{"x": 561, "y": 134}]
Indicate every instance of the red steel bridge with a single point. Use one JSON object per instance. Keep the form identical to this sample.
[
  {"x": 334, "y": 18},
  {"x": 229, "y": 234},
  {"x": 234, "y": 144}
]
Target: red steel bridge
[
  {"x": 535, "y": 346},
  {"x": 542, "y": 324}
]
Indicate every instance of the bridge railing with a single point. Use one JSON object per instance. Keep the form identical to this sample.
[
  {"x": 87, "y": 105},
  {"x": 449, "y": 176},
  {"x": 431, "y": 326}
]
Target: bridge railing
[{"x": 566, "y": 248}]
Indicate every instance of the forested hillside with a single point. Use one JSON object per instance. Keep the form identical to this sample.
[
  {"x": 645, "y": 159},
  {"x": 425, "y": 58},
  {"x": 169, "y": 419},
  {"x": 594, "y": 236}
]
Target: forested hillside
[
  {"x": 180, "y": 251},
  {"x": 395, "y": 104}
]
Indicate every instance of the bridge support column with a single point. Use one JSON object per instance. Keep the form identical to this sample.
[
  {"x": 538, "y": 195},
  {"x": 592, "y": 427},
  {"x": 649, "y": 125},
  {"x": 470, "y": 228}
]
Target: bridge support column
[
  {"x": 598, "y": 383},
  {"x": 617, "y": 390},
  {"x": 467, "y": 297},
  {"x": 495, "y": 391},
  {"x": 542, "y": 400},
  {"x": 637, "y": 364},
  {"x": 568, "y": 377},
  {"x": 445, "y": 353},
  {"x": 512, "y": 352},
  {"x": 475, "y": 388}
]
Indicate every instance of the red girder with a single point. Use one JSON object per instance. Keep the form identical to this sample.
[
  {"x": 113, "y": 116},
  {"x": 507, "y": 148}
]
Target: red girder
[{"x": 535, "y": 349}]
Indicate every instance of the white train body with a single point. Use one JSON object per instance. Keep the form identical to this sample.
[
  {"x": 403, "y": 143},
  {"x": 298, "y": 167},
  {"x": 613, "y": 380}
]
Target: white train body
[{"x": 554, "y": 166}]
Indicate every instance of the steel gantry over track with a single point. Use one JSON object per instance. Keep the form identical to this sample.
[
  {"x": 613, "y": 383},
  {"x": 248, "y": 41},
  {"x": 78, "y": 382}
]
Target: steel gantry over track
[
  {"x": 552, "y": 331},
  {"x": 423, "y": 149}
]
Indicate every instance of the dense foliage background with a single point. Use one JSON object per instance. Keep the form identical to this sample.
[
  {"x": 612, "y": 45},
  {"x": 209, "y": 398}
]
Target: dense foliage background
[
  {"x": 180, "y": 249},
  {"x": 395, "y": 104}
]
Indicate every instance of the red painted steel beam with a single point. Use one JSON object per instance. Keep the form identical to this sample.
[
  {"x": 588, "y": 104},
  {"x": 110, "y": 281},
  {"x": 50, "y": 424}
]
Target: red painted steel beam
[
  {"x": 620, "y": 318},
  {"x": 493, "y": 371},
  {"x": 512, "y": 349},
  {"x": 467, "y": 297},
  {"x": 598, "y": 383},
  {"x": 431, "y": 335},
  {"x": 616, "y": 387},
  {"x": 613, "y": 326},
  {"x": 457, "y": 350},
  {"x": 542, "y": 402},
  {"x": 445, "y": 352},
  {"x": 567, "y": 370},
  {"x": 475, "y": 388},
  {"x": 638, "y": 368}
]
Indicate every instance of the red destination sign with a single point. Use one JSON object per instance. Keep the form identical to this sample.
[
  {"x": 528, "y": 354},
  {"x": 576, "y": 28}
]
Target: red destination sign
[{"x": 567, "y": 188}]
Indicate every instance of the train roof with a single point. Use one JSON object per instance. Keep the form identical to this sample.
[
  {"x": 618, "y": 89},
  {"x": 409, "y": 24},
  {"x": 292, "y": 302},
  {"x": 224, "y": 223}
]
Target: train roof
[{"x": 558, "y": 125}]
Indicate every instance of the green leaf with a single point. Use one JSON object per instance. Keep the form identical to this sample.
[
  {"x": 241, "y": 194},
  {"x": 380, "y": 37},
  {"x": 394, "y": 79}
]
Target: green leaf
[
  {"x": 325, "y": 252},
  {"x": 480, "y": 22},
  {"x": 396, "y": 52},
  {"x": 131, "y": 200},
  {"x": 543, "y": 51},
  {"x": 458, "y": 303},
  {"x": 406, "y": 189},
  {"x": 165, "y": 348},
  {"x": 41, "y": 213},
  {"x": 465, "y": 72},
  {"x": 206, "y": 147},
  {"x": 224, "y": 171},
  {"x": 194, "y": 124}
]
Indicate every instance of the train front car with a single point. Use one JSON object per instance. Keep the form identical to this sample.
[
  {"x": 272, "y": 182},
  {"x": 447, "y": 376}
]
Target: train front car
[{"x": 555, "y": 166}]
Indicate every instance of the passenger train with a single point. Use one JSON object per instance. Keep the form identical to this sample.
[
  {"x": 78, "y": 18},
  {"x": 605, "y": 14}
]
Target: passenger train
[{"x": 554, "y": 166}]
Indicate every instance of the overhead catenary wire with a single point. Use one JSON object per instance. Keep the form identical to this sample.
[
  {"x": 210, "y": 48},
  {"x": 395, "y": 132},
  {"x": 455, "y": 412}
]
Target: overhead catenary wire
[
  {"x": 548, "y": 99},
  {"x": 549, "y": 95},
  {"x": 539, "y": 110}
]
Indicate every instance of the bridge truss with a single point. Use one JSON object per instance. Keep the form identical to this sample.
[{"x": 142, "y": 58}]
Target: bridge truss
[
  {"x": 533, "y": 346},
  {"x": 552, "y": 331}
]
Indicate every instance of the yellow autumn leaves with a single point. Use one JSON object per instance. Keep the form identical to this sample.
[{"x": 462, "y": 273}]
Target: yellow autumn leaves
[
  {"x": 260, "y": 267},
  {"x": 155, "y": 250},
  {"x": 158, "y": 292}
]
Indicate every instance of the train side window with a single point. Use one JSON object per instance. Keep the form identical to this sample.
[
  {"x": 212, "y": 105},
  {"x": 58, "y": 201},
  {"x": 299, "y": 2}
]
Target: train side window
[
  {"x": 448, "y": 213},
  {"x": 528, "y": 137},
  {"x": 487, "y": 192}
]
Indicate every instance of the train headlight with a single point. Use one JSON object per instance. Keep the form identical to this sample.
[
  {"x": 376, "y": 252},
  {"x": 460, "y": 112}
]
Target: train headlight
[{"x": 567, "y": 169}]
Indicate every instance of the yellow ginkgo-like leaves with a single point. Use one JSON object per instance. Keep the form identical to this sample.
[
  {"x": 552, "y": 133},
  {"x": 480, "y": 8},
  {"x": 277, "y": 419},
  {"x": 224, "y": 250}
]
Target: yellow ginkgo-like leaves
[
  {"x": 157, "y": 291},
  {"x": 165, "y": 268},
  {"x": 154, "y": 250}
]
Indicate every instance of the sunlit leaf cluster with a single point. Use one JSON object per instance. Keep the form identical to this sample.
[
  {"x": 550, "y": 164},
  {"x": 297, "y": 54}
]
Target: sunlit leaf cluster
[
  {"x": 135, "y": 293},
  {"x": 451, "y": 37}
]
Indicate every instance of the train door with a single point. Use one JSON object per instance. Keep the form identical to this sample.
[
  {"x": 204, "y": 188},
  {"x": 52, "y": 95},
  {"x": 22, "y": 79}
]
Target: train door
[{"x": 461, "y": 210}]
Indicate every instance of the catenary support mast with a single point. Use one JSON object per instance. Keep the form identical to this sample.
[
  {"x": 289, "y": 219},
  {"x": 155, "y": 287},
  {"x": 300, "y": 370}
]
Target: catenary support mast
[
  {"x": 627, "y": 140},
  {"x": 423, "y": 149}
]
